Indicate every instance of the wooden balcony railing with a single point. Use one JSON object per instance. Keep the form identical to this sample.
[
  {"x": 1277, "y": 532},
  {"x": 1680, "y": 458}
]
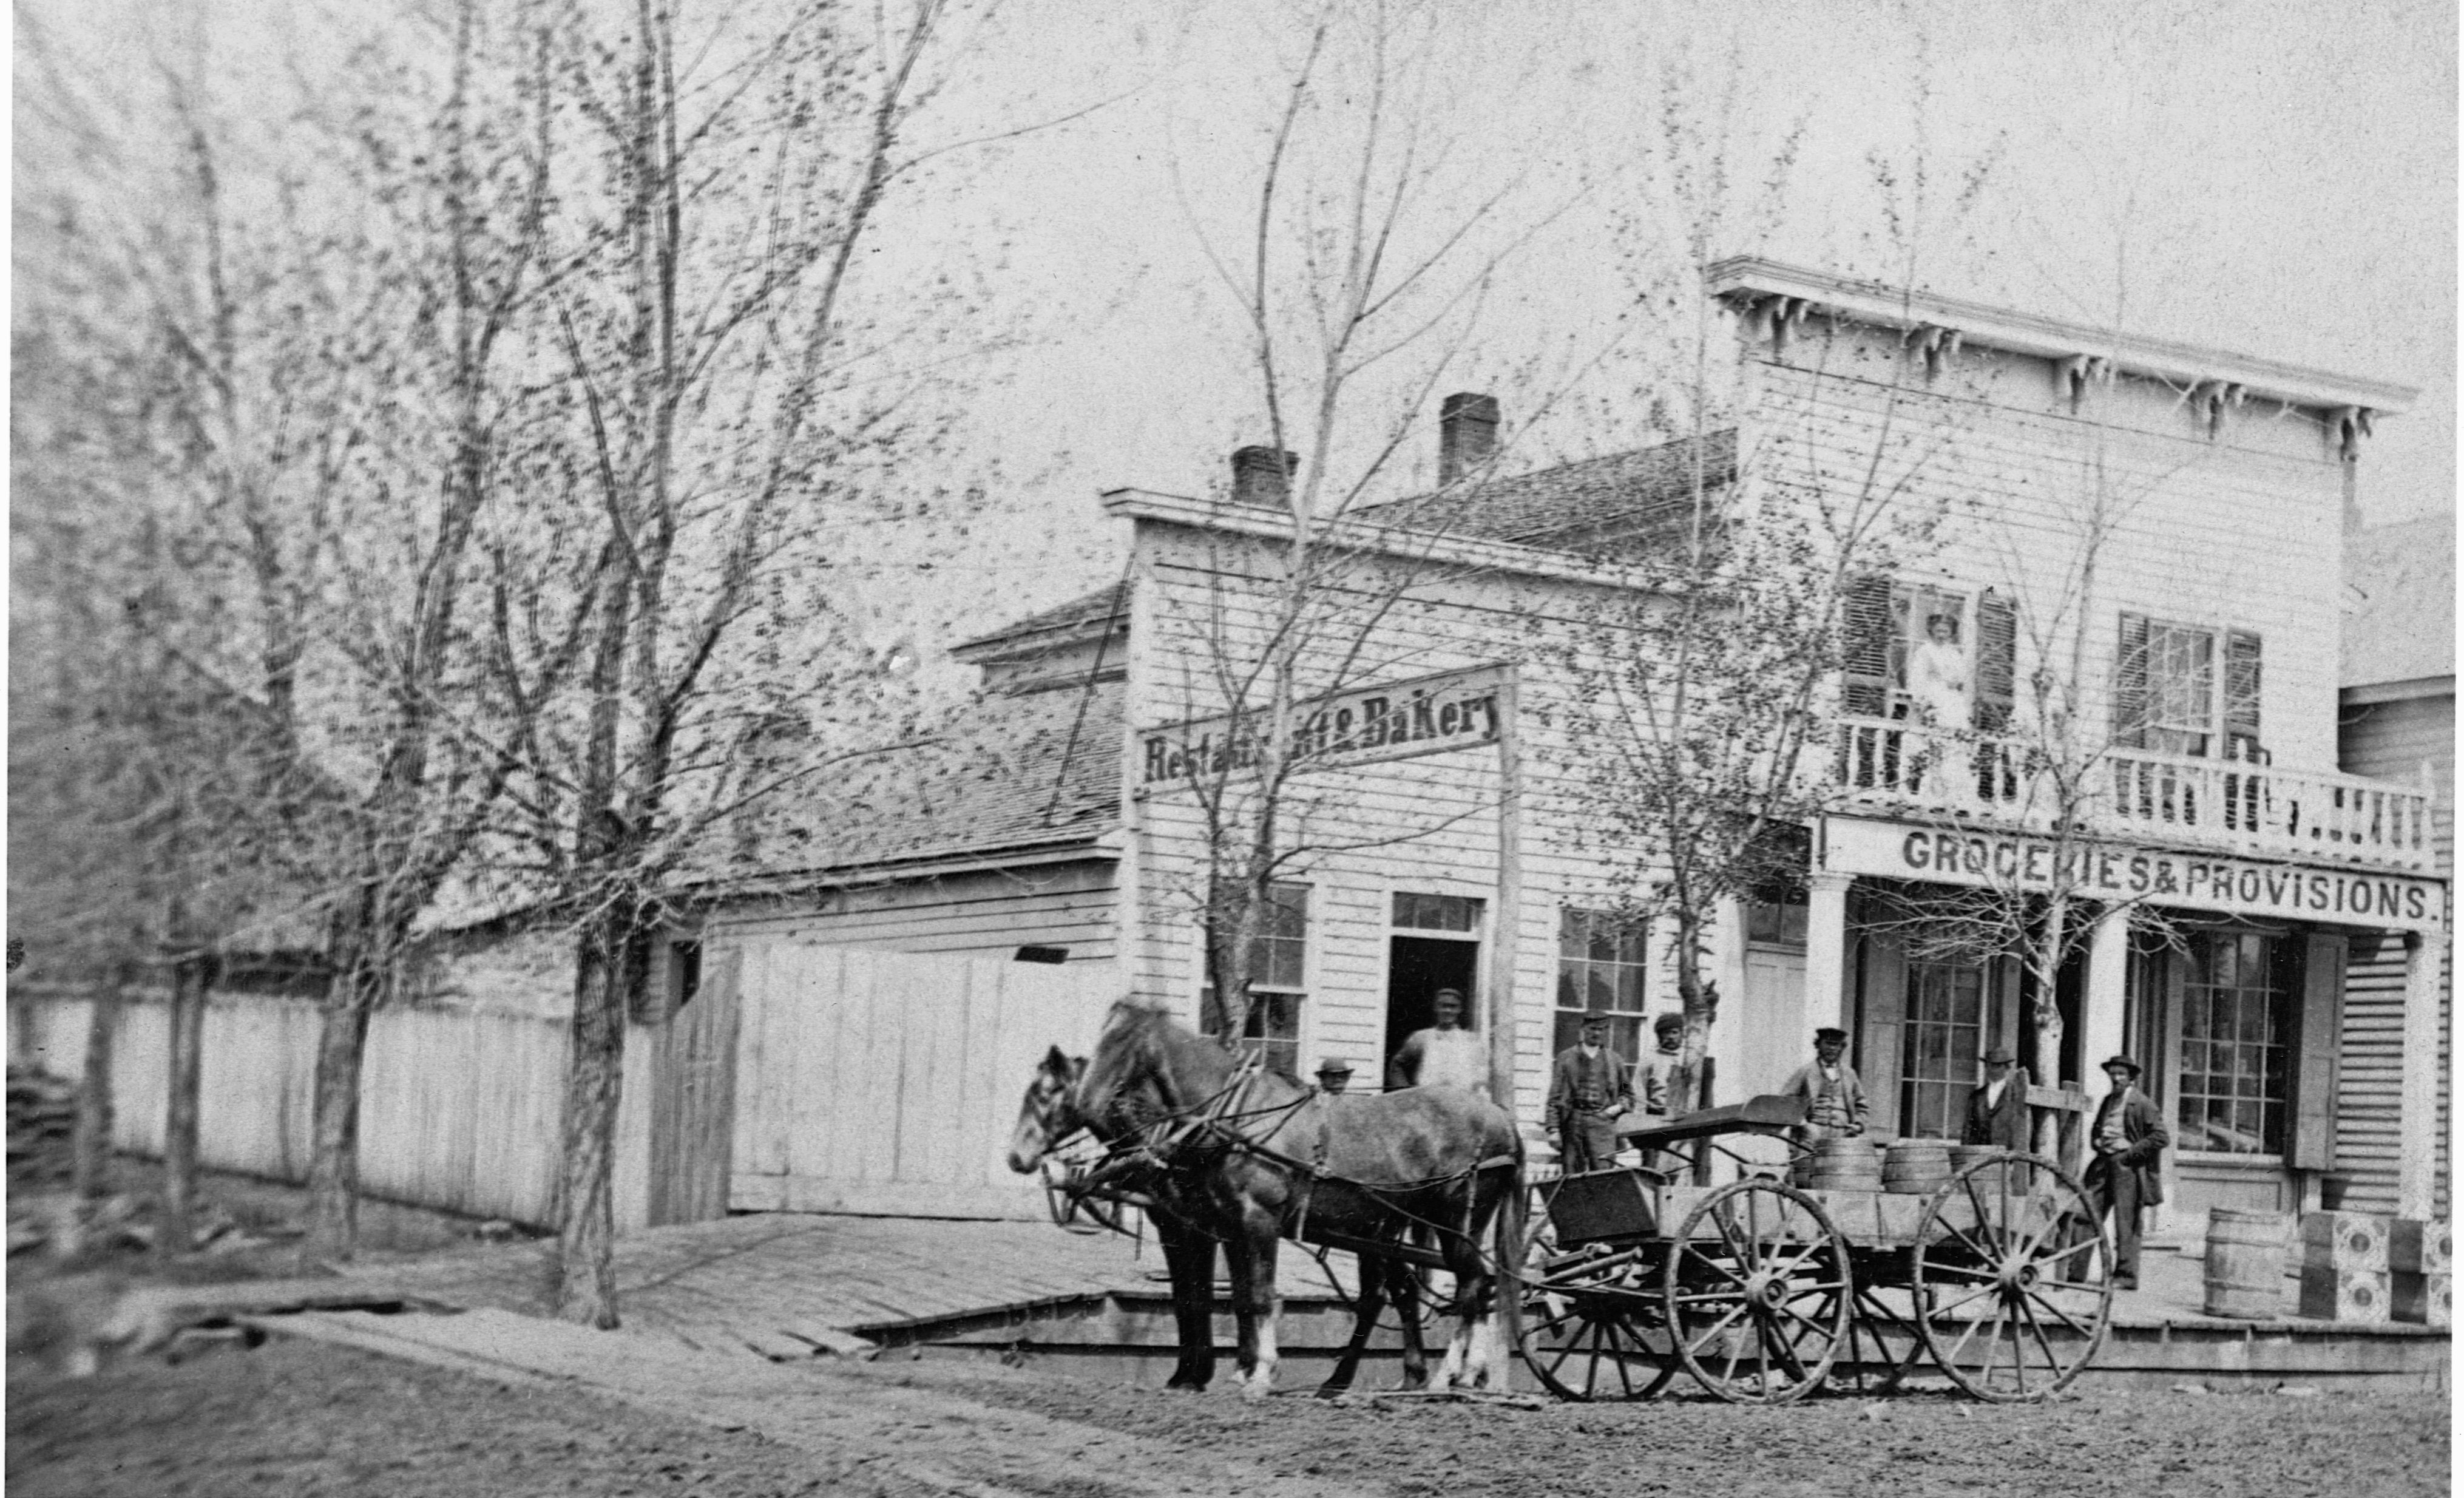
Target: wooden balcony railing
[{"x": 2136, "y": 795}]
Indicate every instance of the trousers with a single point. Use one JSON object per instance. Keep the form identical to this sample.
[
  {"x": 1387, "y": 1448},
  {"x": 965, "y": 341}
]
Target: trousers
[
  {"x": 1591, "y": 1142},
  {"x": 2115, "y": 1189}
]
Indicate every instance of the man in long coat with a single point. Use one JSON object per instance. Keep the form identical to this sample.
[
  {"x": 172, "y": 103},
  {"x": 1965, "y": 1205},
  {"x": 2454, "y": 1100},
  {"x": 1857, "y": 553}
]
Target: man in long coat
[
  {"x": 1997, "y": 1111},
  {"x": 2130, "y": 1141},
  {"x": 1589, "y": 1087}
]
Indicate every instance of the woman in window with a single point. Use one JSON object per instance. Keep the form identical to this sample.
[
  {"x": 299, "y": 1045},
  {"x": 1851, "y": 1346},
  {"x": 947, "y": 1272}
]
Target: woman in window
[{"x": 1938, "y": 684}]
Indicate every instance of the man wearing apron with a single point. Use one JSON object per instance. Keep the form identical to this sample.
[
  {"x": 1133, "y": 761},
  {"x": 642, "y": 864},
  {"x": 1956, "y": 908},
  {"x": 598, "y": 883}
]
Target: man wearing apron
[{"x": 1835, "y": 1100}]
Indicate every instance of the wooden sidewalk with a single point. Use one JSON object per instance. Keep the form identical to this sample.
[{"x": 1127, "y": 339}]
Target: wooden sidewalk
[{"x": 787, "y": 1283}]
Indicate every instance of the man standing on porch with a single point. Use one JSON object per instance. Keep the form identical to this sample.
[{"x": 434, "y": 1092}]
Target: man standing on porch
[
  {"x": 1997, "y": 1111},
  {"x": 1444, "y": 1054},
  {"x": 2130, "y": 1139},
  {"x": 1835, "y": 1100},
  {"x": 1588, "y": 1092}
]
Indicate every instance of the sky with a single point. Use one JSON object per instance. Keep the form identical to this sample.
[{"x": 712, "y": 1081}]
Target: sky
[
  {"x": 2274, "y": 179},
  {"x": 2270, "y": 179}
]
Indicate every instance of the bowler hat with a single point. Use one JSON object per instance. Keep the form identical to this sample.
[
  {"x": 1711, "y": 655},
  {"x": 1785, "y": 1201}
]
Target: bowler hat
[
  {"x": 1334, "y": 1066},
  {"x": 1999, "y": 1056},
  {"x": 1830, "y": 1032},
  {"x": 2124, "y": 1061}
]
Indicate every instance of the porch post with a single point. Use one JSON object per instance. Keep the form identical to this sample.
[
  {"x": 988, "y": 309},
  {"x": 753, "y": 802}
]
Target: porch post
[
  {"x": 2108, "y": 965},
  {"x": 1826, "y": 949},
  {"x": 2416, "y": 1183}
]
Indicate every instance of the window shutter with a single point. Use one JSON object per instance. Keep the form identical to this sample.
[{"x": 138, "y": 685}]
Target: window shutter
[
  {"x": 2241, "y": 694},
  {"x": 1865, "y": 648},
  {"x": 2130, "y": 683},
  {"x": 1997, "y": 661},
  {"x": 2312, "y": 1145}
]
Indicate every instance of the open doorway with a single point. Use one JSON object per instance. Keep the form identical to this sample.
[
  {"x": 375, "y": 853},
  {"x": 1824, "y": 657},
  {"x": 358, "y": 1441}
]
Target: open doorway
[{"x": 1416, "y": 969}]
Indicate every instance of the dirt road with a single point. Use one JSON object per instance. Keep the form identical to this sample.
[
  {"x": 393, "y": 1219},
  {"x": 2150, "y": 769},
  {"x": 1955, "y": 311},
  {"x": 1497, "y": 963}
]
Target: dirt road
[{"x": 302, "y": 1417}]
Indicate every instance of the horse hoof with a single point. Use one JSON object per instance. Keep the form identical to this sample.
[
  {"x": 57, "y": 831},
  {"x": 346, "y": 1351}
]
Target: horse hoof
[{"x": 1179, "y": 1385}]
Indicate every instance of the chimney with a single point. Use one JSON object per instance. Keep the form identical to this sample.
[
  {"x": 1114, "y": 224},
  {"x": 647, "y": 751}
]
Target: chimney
[
  {"x": 1262, "y": 476},
  {"x": 1466, "y": 434}
]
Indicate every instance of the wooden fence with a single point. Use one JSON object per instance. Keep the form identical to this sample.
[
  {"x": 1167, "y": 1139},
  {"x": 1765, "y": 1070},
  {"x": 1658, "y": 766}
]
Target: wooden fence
[
  {"x": 888, "y": 1082},
  {"x": 458, "y": 1109},
  {"x": 804, "y": 1078}
]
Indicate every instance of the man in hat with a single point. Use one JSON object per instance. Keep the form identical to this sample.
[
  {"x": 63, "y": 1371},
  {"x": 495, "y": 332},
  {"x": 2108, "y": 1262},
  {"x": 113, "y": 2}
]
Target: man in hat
[
  {"x": 1835, "y": 1100},
  {"x": 2123, "y": 1176},
  {"x": 1334, "y": 1075},
  {"x": 1997, "y": 1111},
  {"x": 1444, "y": 1054},
  {"x": 1588, "y": 1090}
]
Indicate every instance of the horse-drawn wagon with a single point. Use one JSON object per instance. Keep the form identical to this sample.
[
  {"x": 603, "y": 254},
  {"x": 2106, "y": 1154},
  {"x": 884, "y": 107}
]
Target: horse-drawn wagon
[
  {"x": 1608, "y": 1283},
  {"x": 1763, "y": 1291}
]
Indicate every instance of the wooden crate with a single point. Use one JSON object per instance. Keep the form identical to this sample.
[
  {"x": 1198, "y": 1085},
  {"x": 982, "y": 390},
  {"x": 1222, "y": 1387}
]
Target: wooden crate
[
  {"x": 2419, "y": 1247},
  {"x": 2343, "y": 1240},
  {"x": 2333, "y": 1294},
  {"x": 2422, "y": 1299}
]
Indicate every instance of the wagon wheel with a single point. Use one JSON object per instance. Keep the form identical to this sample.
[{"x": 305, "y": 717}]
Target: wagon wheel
[
  {"x": 2009, "y": 1275},
  {"x": 1758, "y": 1291},
  {"x": 1591, "y": 1324}
]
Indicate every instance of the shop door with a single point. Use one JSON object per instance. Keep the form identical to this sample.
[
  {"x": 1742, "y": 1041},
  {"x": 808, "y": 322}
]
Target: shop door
[{"x": 1417, "y": 968}]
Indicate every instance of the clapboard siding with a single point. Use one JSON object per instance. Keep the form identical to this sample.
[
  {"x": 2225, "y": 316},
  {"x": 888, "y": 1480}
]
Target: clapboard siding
[
  {"x": 2404, "y": 740},
  {"x": 2031, "y": 497},
  {"x": 988, "y": 914}
]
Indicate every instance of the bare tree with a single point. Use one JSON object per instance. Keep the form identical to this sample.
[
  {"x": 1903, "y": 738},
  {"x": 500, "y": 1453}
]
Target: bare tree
[
  {"x": 1359, "y": 279},
  {"x": 741, "y": 387}
]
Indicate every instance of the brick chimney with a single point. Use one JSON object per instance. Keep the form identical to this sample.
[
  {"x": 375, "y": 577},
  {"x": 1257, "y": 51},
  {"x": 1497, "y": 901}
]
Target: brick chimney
[
  {"x": 1263, "y": 476},
  {"x": 1466, "y": 434}
]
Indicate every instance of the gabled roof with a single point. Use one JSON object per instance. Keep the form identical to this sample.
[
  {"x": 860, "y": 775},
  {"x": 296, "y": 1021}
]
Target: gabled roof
[
  {"x": 1641, "y": 494},
  {"x": 1084, "y": 615},
  {"x": 1032, "y": 771},
  {"x": 2400, "y": 602}
]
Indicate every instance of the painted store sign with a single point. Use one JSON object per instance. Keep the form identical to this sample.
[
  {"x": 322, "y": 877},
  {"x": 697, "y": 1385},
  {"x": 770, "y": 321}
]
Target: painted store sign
[
  {"x": 2122, "y": 872},
  {"x": 1426, "y": 714}
]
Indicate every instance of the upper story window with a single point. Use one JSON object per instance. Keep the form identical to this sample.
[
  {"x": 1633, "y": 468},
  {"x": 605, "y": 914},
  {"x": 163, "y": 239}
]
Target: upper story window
[
  {"x": 1930, "y": 653},
  {"x": 2187, "y": 689},
  {"x": 1278, "y": 980}
]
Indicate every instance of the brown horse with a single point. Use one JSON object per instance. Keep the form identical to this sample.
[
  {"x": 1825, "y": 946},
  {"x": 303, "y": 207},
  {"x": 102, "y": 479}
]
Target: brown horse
[{"x": 1250, "y": 1156}]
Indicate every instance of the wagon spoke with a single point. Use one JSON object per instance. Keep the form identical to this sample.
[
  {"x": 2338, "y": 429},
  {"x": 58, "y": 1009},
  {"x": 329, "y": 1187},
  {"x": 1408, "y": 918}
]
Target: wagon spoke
[
  {"x": 1716, "y": 1327},
  {"x": 1624, "y": 1378},
  {"x": 2059, "y": 1312},
  {"x": 2052, "y": 1364},
  {"x": 1951, "y": 1356},
  {"x": 1980, "y": 1295}
]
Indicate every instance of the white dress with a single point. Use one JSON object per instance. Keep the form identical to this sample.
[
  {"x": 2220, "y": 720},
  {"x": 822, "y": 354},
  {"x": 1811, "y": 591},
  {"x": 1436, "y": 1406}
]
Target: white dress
[{"x": 1937, "y": 681}]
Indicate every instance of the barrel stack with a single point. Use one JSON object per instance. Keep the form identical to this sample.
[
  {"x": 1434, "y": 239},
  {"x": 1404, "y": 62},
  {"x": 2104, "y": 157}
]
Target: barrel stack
[{"x": 1916, "y": 1167}]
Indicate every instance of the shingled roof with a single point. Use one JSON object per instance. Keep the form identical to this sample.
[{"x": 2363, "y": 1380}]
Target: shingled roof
[
  {"x": 1643, "y": 495},
  {"x": 1036, "y": 770}
]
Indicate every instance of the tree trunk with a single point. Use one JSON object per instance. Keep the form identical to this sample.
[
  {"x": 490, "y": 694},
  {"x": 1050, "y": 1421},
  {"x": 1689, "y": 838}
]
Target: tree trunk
[
  {"x": 334, "y": 1128},
  {"x": 90, "y": 1166},
  {"x": 2045, "y": 962},
  {"x": 190, "y": 981},
  {"x": 610, "y": 964},
  {"x": 1701, "y": 1006}
]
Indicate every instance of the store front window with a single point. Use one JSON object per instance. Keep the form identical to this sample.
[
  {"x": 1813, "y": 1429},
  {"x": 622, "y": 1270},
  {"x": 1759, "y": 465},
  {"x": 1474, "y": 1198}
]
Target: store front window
[
  {"x": 1944, "y": 1038},
  {"x": 2236, "y": 1032}
]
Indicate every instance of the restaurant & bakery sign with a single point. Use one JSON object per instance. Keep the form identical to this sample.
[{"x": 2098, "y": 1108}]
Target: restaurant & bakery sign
[{"x": 1426, "y": 714}]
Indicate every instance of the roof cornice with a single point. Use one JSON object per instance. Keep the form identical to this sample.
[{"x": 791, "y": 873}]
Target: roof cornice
[
  {"x": 1877, "y": 305},
  {"x": 2405, "y": 691},
  {"x": 1471, "y": 552}
]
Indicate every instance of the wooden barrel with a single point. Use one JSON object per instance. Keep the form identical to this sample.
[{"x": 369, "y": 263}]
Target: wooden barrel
[
  {"x": 1962, "y": 1156},
  {"x": 1845, "y": 1165},
  {"x": 2246, "y": 1264},
  {"x": 1916, "y": 1167}
]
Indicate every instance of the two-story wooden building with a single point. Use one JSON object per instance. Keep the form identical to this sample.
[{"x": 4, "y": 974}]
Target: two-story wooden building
[{"x": 2113, "y": 672}]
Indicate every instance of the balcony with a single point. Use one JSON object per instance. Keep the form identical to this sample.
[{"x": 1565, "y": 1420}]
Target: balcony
[{"x": 2255, "y": 810}]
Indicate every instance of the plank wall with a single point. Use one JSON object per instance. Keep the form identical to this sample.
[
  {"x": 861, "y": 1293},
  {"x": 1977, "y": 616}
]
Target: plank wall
[{"x": 987, "y": 914}]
